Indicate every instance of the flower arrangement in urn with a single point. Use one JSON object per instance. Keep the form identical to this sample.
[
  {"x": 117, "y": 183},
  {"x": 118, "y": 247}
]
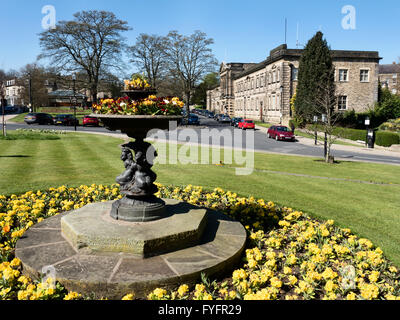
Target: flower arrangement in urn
[
  {"x": 137, "y": 82},
  {"x": 140, "y": 101}
]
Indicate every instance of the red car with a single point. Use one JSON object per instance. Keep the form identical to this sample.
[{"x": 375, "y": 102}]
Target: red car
[
  {"x": 246, "y": 124},
  {"x": 90, "y": 121},
  {"x": 280, "y": 133}
]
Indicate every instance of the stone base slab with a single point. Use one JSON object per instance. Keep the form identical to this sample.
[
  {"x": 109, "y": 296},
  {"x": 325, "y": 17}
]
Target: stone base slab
[
  {"x": 114, "y": 274},
  {"x": 92, "y": 228}
]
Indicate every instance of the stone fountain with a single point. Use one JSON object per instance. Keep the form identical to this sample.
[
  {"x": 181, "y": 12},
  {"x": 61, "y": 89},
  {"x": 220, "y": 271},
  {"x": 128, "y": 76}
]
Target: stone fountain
[{"x": 136, "y": 243}]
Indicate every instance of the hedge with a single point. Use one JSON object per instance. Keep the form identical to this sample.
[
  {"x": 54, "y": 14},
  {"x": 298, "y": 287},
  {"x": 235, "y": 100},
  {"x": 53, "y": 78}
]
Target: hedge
[
  {"x": 382, "y": 138},
  {"x": 386, "y": 139}
]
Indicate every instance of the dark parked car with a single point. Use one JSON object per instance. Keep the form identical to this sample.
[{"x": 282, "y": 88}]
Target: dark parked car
[
  {"x": 224, "y": 118},
  {"x": 280, "y": 133},
  {"x": 90, "y": 121},
  {"x": 235, "y": 121},
  {"x": 66, "y": 120},
  {"x": 192, "y": 119},
  {"x": 39, "y": 118},
  {"x": 210, "y": 114}
]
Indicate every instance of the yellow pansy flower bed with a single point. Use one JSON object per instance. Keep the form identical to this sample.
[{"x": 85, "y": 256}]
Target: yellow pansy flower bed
[{"x": 289, "y": 255}]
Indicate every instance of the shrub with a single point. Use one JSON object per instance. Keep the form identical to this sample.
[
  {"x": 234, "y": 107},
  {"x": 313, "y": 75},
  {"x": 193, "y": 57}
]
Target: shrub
[{"x": 386, "y": 138}]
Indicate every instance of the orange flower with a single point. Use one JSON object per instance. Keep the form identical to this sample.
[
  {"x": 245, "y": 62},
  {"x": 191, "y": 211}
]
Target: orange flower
[{"x": 6, "y": 228}]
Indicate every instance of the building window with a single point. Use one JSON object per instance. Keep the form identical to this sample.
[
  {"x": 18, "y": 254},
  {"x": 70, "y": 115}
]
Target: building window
[
  {"x": 343, "y": 75},
  {"x": 274, "y": 77},
  {"x": 278, "y": 78},
  {"x": 342, "y": 103},
  {"x": 295, "y": 72},
  {"x": 364, "y": 75}
]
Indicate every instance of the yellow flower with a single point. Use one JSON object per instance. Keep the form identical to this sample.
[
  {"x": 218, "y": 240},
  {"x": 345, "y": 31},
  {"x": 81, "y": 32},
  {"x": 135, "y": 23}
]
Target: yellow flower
[
  {"x": 287, "y": 270},
  {"x": 182, "y": 290},
  {"x": 374, "y": 276},
  {"x": 158, "y": 293},
  {"x": 369, "y": 291},
  {"x": 329, "y": 274},
  {"x": 129, "y": 296},
  {"x": 275, "y": 282},
  {"x": 232, "y": 294},
  {"x": 330, "y": 286},
  {"x": 393, "y": 269},
  {"x": 351, "y": 296},
  {"x": 239, "y": 274},
  {"x": 15, "y": 262}
]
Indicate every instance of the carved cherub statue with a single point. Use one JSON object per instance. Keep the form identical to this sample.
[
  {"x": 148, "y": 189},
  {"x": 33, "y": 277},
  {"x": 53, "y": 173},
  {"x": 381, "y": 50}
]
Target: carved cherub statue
[{"x": 128, "y": 175}]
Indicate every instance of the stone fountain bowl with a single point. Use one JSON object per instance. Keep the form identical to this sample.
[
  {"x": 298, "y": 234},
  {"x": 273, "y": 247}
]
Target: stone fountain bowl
[{"x": 135, "y": 125}]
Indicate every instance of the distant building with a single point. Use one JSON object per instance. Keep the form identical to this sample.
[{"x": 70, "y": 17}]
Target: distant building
[
  {"x": 66, "y": 98},
  {"x": 14, "y": 93},
  {"x": 389, "y": 77},
  {"x": 262, "y": 91}
]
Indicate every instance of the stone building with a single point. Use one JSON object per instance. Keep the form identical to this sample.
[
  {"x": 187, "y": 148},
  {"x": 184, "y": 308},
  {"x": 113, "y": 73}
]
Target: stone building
[
  {"x": 14, "y": 93},
  {"x": 263, "y": 91},
  {"x": 389, "y": 76}
]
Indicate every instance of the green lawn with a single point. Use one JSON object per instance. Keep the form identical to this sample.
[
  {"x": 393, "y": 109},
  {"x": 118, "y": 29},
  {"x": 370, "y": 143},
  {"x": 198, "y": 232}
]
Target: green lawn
[{"x": 370, "y": 210}]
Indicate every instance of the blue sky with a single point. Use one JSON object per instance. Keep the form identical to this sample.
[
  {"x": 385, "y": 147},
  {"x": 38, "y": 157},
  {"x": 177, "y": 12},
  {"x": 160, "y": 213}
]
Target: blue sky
[{"x": 243, "y": 31}]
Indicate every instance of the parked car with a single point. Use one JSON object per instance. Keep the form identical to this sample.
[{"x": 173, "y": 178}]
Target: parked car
[
  {"x": 235, "y": 121},
  {"x": 39, "y": 118},
  {"x": 224, "y": 118},
  {"x": 66, "y": 120},
  {"x": 193, "y": 119},
  {"x": 90, "y": 121},
  {"x": 280, "y": 133},
  {"x": 210, "y": 114},
  {"x": 246, "y": 124},
  {"x": 217, "y": 115}
]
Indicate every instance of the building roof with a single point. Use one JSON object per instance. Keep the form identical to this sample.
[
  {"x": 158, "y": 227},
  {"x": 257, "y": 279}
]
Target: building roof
[{"x": 389, "y": 68}]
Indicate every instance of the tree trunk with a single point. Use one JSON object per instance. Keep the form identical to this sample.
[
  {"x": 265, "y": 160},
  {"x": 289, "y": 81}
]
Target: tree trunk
[{"x": 187, "y": 104}]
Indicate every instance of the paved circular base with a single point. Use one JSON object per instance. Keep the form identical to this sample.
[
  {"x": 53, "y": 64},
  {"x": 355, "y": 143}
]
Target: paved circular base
[{"x": 114, "y": 274}]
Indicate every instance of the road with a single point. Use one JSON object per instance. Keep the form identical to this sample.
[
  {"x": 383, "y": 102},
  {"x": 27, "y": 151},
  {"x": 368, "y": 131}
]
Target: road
[{"x": 261, "y": 142}]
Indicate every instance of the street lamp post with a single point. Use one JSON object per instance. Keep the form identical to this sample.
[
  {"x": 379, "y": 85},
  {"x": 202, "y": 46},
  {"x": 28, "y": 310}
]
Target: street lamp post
[
  {"x": 324, "y": 119},
  {"x": 74, "y": 101},
  {"x": 315, "y": 130},
  {"x": 367, "y": 122},
  {"x": 30, "y": 93},
  {"x": 281, "y": 104},
  {"x": 2, "y": 107}
]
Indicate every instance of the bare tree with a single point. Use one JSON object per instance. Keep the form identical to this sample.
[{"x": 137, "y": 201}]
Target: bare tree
[
  {"x": 32, "y": 78},
  {"x": 323, "y": 108},
  {"x": 148, "y": 54},
  {"x": 189, "y": 59},
  {"x": 92, "y": 42}
]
